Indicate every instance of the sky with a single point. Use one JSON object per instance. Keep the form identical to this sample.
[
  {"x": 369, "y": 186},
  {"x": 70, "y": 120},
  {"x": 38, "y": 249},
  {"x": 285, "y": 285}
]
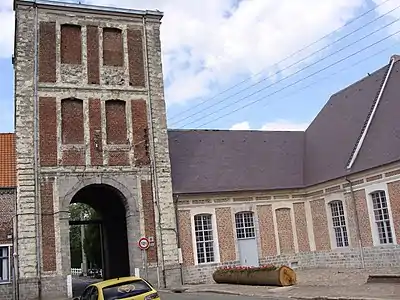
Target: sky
[{"x": 250, "y": 64}]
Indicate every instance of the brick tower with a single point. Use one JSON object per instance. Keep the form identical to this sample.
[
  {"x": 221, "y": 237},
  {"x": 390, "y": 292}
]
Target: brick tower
[{"x": 91, "y": 128}]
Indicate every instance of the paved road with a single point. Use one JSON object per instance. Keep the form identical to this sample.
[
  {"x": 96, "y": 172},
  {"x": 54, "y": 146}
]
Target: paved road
[{"x": 201, "y": 296}]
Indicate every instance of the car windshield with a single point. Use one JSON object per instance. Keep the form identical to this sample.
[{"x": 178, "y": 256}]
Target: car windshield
[{"x": 126, "y": 289}]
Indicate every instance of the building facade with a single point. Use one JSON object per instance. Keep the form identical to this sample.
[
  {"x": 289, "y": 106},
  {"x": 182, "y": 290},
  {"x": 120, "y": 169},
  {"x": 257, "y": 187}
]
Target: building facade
[
  {"x": 91, "y": 128},
  {"x": 89, "y": 105}
]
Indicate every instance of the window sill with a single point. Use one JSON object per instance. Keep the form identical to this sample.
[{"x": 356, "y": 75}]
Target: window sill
[
  {"x": 207, "y": 264},
  {"x": 5, "y": 282}
]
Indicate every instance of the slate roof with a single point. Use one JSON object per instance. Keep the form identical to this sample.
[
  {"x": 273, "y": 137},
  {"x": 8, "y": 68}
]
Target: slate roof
[
  {"x": 217, "y": 161},
  {"x": 7, "y": 160}
]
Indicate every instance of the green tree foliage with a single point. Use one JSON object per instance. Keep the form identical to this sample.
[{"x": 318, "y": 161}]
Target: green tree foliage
[{"x": 91, "y": 244}]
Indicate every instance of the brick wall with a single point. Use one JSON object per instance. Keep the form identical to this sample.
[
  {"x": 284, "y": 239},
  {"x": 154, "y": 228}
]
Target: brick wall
[
  {"x": 226, "y": 235},
  {"x": 149, "y": 217},
  {"x": 363, "y": 218},
  {"x": 112, "y": 47},
  {"x": 140, "y": 132},
  {"x": 96, "y": 144},
  {"x": 320, "y": 223},
  {"x": 93, "y": 62},
  {"x": 136, "y": 61},
  {"x": 301, "y": 227},
  {"x": 72, "y": 121},
  {"x": 47, "y": 52},
  {"x": 185, "y": 234},
  {"x": 48, "y": 131},
  {"x": 285, "y": 230},
  {"x": 71, "y": 44},
  {"x": 394, "y": 196},
  {"x": 48, "y": 233},
  {"x": 116, "y": 122},
  {"x": 267, "y": 231},
  {"x": 7, "y": 211}
]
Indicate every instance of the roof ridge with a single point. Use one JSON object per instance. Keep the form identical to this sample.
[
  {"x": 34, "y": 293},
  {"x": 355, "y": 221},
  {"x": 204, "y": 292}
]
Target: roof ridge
[{"x": 371, "y": 113}]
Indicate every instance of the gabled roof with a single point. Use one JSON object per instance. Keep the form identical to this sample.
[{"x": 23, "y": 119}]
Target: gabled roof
[
  {"x": 7, "y": 160},
  {"x": 216, "y": 161},
  {"x": 221, "y": 160}
]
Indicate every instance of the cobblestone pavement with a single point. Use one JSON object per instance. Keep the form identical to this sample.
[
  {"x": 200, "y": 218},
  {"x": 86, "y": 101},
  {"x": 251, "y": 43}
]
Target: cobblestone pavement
[{"x": 314, "y": 283}]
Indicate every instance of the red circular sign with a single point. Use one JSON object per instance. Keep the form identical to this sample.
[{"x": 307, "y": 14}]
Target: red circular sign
[{"x": 144, "y": 243}]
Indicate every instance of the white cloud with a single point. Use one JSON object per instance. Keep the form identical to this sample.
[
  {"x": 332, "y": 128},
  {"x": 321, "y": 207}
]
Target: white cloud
[
  {"x": 7, "y": 28},
  {"x": 277, "y": 125},
  {"x": 201, "y": 45},
  {"x": 212, "y": 41},
  {"x": 240, "y": 126},
  {"x": 285, "y": 125}
]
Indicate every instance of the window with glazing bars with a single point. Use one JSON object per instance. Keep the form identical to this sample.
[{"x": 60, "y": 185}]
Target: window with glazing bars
[
  {"x": 382, "y": 219},
  {"x": 204, "y": 238},
  {"x": 4, "y": 263},
  {"x": 245, "y": 225},
  {"x": 339, "y": 224}
]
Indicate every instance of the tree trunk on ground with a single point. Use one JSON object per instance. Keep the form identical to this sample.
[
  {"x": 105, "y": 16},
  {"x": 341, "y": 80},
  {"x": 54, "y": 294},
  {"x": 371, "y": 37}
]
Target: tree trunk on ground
[{"x": 283, "y": 276}]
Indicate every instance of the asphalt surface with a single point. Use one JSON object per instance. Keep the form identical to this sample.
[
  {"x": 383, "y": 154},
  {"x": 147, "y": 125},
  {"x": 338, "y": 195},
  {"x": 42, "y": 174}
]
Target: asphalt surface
[
  {"x": 201, "y": 296},
  {"x": 79, "y": 284}
]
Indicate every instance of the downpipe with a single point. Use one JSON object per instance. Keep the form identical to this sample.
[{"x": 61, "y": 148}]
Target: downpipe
[
  {"x": 153, "y": 161},
  {"x": 360, "y": 245},
  {"x": 35, "y": 143},
  {"x": 178, "y": 237}
]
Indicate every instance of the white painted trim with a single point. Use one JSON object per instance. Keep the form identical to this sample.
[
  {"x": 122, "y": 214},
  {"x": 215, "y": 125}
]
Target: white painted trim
[
  {"x": 278, "y": 246},
  {"x": 205, "y": 210},
  {"x": 374, "y": 230},
  {"x": 287, "y": 205},
  {"x": 310, "y": 226},
  {"x": 9, "y": 246},
  {"x": 369, "y": 121},
  {"x": 332, "y": 198}
]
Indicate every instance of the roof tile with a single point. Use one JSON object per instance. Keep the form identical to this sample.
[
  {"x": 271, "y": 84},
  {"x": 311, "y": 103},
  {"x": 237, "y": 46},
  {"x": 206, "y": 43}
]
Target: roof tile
[{"x": 7, "y": 160}]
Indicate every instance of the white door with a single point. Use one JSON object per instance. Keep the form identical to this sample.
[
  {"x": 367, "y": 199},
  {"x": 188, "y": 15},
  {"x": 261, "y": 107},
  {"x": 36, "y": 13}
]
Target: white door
[{"x": 246, "y": 237}]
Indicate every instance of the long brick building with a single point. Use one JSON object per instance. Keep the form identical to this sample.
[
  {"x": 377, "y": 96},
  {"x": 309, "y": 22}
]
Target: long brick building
[{"x": 90, "y": 127}]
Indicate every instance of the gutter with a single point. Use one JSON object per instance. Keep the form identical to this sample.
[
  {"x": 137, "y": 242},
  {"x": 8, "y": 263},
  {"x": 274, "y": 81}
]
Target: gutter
[
  {"x": 36, "y": 159},
  {"x": 360, "y": 142},
  {"x": 360, "y": 245}
]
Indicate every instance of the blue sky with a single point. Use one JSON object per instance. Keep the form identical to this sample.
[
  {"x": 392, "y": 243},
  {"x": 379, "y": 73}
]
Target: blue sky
[{"x": 214, "y": 45}]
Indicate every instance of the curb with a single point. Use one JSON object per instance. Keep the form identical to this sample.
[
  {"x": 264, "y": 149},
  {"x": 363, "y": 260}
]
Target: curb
[{"x": 333, "y": 298}]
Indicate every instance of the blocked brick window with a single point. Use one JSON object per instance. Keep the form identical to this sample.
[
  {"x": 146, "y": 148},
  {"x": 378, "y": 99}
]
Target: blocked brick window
[
  {"x": 245, "y": 228},
  {"x": 113, "y": 47},
  {"x": 116, "y": 122},
  {"x": 339, "y": 224},
  {"x": 204, "y": 238},
  {"x": 5, "y": 268},
  {"x": 381, "y": 217},
  {"x": 72, "y": 121},
  {"x": 71, "y": 44}
]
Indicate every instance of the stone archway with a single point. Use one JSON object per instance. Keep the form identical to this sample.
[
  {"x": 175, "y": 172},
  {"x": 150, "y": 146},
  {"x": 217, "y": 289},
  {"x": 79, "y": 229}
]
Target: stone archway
[
  {"x": 108, "y": 202},
  {"x": 126, "y": 189}
]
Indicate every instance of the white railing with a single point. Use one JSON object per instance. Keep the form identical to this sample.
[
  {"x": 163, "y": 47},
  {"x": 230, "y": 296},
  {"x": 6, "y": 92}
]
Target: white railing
[{"x": 76, "y": 271}]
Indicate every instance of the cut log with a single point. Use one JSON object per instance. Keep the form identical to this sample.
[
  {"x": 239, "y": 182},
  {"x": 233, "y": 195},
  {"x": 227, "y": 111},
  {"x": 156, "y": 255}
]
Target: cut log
[{"x": 282, "y": 276}]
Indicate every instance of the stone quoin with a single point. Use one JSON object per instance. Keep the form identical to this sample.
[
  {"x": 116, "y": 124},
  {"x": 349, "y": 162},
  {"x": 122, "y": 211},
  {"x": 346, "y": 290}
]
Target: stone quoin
[{"x": 90, "y": 126}]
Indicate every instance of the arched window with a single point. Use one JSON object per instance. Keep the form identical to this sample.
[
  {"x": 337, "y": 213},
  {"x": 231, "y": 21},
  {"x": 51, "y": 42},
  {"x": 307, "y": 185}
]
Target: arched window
[
  {"x": 339, "y": 224},
  {"x": 381, "y": 217},
  {"x": 204, "y": 238},
  {"x": 245, "y": 225}
]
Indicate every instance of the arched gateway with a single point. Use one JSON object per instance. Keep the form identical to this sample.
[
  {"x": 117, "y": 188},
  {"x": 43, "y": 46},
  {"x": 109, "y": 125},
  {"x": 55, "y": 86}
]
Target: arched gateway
[{"x": 89, "y": 104}]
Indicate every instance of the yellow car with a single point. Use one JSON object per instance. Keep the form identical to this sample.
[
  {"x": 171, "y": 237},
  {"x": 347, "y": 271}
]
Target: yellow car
[{"x": 126, "y": 288}]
